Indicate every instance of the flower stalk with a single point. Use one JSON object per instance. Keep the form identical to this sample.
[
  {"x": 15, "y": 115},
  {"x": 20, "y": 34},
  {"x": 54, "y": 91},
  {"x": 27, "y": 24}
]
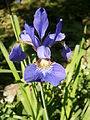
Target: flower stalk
[{"x": 44, "y": 104}]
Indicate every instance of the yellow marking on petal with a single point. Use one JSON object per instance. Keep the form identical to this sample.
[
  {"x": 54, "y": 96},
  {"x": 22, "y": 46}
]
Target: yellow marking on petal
[
  {"x": 44, "y": 63},
  {"x": 44, "y": 66}
]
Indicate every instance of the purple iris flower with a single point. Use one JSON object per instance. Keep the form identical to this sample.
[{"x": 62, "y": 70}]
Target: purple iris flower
[{"x": 44, "y": 69}]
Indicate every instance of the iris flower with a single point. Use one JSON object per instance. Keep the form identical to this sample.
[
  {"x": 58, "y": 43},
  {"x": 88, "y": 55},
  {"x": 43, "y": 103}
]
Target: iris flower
[{"x": 44, "y": 69}]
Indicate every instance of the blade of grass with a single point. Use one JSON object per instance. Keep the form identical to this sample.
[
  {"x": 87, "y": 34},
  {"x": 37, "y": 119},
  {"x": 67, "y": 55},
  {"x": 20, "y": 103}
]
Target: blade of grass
[
  {"x": 32, "y": 99},
  {"x": 7, "y": 71},
  {"x": 43, "y": 100},
  {"x": 83, "y": 37},
  {"x": 87, "y": 114},
  {"x": 85, "y": 108},
  {"x": 16, "y": 26},
  {"x": 70, "y": 68},
  {"x": 77, "y": 113},
  {"x": 41, "y": 111},
  {"x": 26, "y": 102}
]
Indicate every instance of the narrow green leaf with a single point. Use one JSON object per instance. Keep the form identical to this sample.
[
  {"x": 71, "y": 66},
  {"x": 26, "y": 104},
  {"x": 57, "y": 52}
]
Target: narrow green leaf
[
  {"x": 85, "y": 108},
  {"x": 16, "y": 26},
  {"x": 70, "y": 68},
  {"x": 41, "y": 111},
  {"x": 76, "y": 114},
  {"x": 32, "y": 98},
  {"x": 83, "y": 38},
  {"x": 26, "y": 102},
  {"x": 87, "y": 114},
  {"x": 7, "y": 71},
  {"x": 22, "y": 67}
]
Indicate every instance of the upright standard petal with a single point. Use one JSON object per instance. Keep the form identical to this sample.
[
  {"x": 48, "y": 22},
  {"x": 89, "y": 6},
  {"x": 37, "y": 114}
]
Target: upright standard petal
[
  {"x": 17, "y": 54},
  {"x": 24, "y": 36},
  {"x": 30, "y": 31},
  {"x": 32, "y": 74},
  {"x": 58, "y": 30},
  {"x": 40, "y": 22},
  {"x": 66, "y": 53},
  {"x": 43, "y": 52},
  {"x": 56, "y": 74}
]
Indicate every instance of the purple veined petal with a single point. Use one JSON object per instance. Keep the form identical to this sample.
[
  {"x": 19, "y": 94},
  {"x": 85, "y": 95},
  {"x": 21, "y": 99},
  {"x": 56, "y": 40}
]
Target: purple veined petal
[
  {"x": 56, "y": 74},
  {"x": 30, "y": 31},
  {"x": 37, "y": 43},
  {"x": 32, "y": 74},
  {"x": 47, "y": 41},
  {"x": 17, "y": 54},
  {"x": 60, "y": 37},
  {"x": 58, "y": 30},
  {"x": 43, "y": 52},
  {"x": 40, "y": 22},
  {"x": 25, "y": 37},
  {"x": 66, "y": 53}
]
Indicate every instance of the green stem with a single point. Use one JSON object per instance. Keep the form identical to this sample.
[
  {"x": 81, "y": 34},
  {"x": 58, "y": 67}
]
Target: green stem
[{"x": 46, "y": 114}]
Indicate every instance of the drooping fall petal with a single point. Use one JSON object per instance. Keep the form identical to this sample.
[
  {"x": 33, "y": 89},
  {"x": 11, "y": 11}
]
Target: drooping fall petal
[
  {"x": 17, "y": 54},
  {"x": 56, "y": 74}
]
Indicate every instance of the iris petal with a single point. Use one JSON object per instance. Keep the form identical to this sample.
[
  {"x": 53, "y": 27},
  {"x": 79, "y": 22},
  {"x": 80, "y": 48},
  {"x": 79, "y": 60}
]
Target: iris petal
[
  {"x": 25, "y": 37},
  {"x": 59, "y": 27},
  {"x": 17, "y": 54},
  {"x": 30, "y": 31},
  {"x": 66, "y": 53},
  {"x": 58, "y": 30},
  {"x": 47, "y": 41},
  {"x": 56, "y": 74},
  {"x": 32, "y": 74},
  {"x": 60, "y": 36},
  {"x": 37, "y": 43},
  {"x": 40, "y": 22},
  {"x": 43, "y": 52}
]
